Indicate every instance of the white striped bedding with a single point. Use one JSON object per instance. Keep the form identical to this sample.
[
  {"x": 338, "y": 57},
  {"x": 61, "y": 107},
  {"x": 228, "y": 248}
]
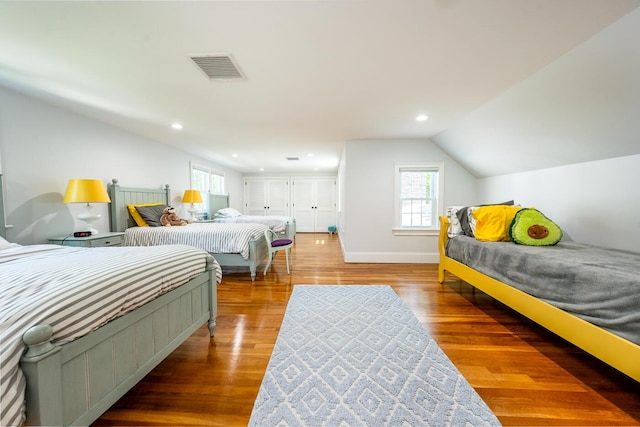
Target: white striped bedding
[
  {"x": 275, "y": 222},
  {"x": 212, "y": 237},
  {"x": 76, "y": 290}
]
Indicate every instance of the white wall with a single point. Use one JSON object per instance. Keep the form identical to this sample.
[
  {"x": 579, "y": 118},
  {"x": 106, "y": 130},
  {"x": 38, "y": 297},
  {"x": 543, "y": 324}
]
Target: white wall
[
  {"x": 44, "y": 146},
  {"x": 368, "y": 199},
  {"x": 595, "y": 202}
]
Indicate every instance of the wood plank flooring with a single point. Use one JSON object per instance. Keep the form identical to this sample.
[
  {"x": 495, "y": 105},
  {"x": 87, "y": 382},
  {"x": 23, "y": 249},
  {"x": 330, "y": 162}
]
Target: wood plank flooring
[{"x": 527, "y": 376}]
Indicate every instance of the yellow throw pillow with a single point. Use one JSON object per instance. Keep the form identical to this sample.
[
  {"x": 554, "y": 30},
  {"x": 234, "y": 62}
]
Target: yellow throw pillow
[
  {"x": 492, "y": 222},
  {"x": 136, "y": 216}
]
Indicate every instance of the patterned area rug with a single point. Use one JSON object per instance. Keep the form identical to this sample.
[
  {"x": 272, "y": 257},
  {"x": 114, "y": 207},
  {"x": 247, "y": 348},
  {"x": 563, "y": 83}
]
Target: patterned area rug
[{"x": 357, "y": 356}]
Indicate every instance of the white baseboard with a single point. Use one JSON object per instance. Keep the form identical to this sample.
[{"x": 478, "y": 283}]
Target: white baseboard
[
  {"x": 389, "y": 258},
  {"x": 392, "y": 258}
]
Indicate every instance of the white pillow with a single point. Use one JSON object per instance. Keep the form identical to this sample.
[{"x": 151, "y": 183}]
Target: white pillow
[
  {"x": 455, "y": 229},
  {"x": 4, "y": 244},
  {"x": 228, "y": 212}
]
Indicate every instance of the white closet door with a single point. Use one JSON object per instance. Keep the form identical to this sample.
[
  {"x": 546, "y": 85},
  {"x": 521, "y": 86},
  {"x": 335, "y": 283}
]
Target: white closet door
[
  {"x": 303, "y": 204},
  {"x": 314, "y": 203},
  {"x": 277, "y": 197},
  {"x": 325, "y": 210},
  {"x": 255, "y": 197}
]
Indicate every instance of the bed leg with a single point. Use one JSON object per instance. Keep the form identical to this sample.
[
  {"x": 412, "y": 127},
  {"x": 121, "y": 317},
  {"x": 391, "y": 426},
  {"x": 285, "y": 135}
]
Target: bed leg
[{"x": 213, "y": 296}]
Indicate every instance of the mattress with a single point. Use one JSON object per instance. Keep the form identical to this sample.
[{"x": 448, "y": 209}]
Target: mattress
[
  {"x": 599, "y": 285},
  {"x": 275, "y": 222},
  {"x": 211, "y": 237},
  {"x": 76, "y": 290}
]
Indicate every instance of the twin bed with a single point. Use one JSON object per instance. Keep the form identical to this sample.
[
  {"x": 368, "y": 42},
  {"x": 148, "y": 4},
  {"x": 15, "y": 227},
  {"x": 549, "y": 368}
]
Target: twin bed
[
  {"x": 237, "y": 244},
  {"x": 80, "y": 326},
  {"x": 219, "y": 206},
  {"x": 585, "y": 294}
]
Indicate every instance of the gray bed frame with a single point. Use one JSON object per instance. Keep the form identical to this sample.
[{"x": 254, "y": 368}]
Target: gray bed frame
[
  {"x": 121, "y": 220},
  {"x": 3, "y": 224},
  {"x": 75, "y": 383},
  {"x": 221, "y": 201}
]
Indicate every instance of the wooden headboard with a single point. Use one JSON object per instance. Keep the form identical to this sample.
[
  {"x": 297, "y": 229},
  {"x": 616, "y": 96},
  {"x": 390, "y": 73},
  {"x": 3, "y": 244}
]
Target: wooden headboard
[
  {"x": 217, "y": 201},
  {"x": 3, "y": 227},
  {"x": 123, "y": 196}
]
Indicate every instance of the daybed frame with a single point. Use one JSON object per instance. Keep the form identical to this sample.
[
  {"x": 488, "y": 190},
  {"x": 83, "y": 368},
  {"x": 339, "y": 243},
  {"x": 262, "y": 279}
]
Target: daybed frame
[
  {"x": 221, "y": 201},
  {"x": 121, "y": 220},
  {"x": 621, "y": 354}
]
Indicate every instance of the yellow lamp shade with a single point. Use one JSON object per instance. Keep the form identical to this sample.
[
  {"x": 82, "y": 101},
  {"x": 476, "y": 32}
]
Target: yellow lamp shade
[
  {"x": 192, "y": 196},
  {"x": 86, "y": 191}
]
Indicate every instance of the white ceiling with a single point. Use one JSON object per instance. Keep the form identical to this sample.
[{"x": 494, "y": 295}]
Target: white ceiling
[{"x": 319, "y": 73}]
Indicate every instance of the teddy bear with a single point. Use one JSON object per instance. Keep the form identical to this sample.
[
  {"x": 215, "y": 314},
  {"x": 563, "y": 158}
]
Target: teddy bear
[{"x": 170, "y": 218}]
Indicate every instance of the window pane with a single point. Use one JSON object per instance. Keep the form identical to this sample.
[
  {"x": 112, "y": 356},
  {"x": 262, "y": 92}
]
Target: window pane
[
  {"x": 217, "y": 183},
  {"x": 417, "y": 198}
]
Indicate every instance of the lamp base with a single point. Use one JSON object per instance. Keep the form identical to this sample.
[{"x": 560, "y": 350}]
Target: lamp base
[
  {"x": 193, "y": 211},
  {"x": 88, "y": 217}
]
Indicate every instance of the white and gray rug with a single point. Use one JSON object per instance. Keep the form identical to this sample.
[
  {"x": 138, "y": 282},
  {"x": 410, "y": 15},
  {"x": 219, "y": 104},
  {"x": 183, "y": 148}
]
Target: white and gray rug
[{"x": 357, "y": 356}]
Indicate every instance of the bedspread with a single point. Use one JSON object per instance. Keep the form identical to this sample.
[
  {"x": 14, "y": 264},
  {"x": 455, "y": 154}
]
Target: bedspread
[
  {"x": 599, "y": 285},
  {"x": 211, "y": 237},
  {"x": 75, "y": 291}
]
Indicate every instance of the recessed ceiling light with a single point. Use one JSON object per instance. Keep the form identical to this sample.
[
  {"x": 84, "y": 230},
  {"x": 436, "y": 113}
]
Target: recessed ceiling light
[
  {"x": 422, "y": 117},
  {"x": 176, "y": 126},
  {"x": 261, "y": 169},
  {"x": 310, "y": 154},
  {"x": 234, "y": 155}
]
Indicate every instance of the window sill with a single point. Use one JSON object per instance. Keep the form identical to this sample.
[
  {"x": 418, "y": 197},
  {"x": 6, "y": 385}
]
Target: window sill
[{"x": 415, "y": 232}]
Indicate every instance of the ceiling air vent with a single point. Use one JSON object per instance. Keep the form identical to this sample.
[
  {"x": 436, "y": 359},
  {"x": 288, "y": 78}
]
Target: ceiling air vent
[
  {"x": 293, "y": 158},
  {"x": 218, "y": 66}
]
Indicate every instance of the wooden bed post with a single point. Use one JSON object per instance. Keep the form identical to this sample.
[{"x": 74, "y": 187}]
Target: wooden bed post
[
  {"x": 442, "y": 241},
  {"x": 213, "y": 295},
  {"x": 42, "y": 367}
]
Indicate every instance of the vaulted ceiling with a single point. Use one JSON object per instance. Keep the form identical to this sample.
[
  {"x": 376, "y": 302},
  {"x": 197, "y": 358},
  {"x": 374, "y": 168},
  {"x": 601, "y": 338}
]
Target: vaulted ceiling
[{"x": 508, "y": 85}]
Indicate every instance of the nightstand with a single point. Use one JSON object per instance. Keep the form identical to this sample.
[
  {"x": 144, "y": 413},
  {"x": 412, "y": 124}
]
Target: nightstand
[{"x": 95, "y": 241}]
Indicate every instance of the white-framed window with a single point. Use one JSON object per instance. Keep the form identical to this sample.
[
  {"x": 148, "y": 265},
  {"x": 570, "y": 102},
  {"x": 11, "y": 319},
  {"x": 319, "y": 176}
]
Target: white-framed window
[
  {"x": 208, "y": 181},
  {"x": 419, "y": 188}
]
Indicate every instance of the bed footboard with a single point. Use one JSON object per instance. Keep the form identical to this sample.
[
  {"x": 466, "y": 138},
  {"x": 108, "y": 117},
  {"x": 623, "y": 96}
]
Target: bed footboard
[
  {"x": 75, "y": 383},
  {"x": 619, "y": 353},
  {"x": 258, "y": 252}
]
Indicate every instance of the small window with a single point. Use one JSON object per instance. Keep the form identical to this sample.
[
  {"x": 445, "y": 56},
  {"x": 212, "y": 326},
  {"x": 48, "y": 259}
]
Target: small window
[
  {"x": 208, "y": 182},
  {"x": 418, "y": 192}
]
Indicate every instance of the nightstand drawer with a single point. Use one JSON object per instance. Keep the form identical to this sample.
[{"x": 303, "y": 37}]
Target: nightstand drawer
[
  {"x": 105, "y": 241},
  {"x": 95, "y": 241}
]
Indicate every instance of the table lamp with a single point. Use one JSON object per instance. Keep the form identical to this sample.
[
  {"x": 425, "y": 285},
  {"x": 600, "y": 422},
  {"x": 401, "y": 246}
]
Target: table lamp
[
  {"x": 193, "y": 197},
  {"x": 86, "y": 191}
]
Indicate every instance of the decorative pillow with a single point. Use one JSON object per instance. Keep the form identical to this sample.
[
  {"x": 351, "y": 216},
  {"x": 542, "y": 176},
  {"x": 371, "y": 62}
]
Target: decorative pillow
[
  {"x": 228, "y": 212},
  {"x": 492, "y": 222},
  {"x": 4, "y": 244},
  {"x": 151, "y": 214},
  {"x": 454, "y": 224},
  {"x": 467, "y": 221},
  {"x": 530, "y": 227},
  {"x": 136, "y": 216}
]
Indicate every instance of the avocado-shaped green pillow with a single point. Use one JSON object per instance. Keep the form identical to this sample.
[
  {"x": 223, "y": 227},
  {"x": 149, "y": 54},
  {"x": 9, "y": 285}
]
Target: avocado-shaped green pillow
[{"x": 530, "y": 227}]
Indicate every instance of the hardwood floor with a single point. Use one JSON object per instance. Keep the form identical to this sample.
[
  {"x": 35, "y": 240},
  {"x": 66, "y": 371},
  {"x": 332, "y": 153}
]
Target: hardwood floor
[{"x": 526, "y": 375}]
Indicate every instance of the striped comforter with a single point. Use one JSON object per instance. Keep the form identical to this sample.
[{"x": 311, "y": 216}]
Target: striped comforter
[
  {"x": 212, "y": 237},
  {"x": 76, "y": 290},
  {"x": 275, "y": 222}
]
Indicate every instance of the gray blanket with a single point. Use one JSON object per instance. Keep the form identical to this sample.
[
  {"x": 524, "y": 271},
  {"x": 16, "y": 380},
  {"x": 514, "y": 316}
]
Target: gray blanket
[{"x": 599, "y": 285}]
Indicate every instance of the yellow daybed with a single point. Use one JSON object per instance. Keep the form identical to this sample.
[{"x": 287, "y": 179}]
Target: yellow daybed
[{"x": 618, "y": 352}]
